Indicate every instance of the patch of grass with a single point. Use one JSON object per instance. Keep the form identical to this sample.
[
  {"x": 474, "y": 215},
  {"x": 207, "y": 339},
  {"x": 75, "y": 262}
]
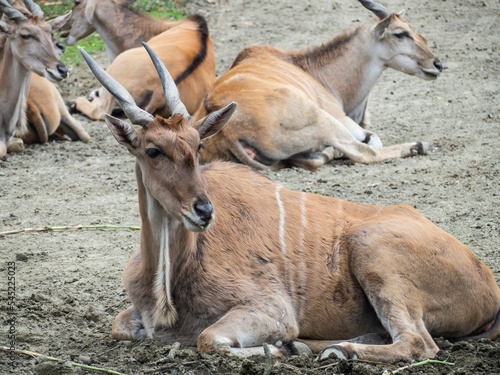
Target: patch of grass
[
  {"x": 92, "y": 44},
  {"x": 161, "y": 9},
  {"x": 55, "y": 8}
]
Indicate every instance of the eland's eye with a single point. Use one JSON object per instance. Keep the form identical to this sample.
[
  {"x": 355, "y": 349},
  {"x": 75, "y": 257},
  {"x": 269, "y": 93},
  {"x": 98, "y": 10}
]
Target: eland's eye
[
  {"x": 26, "y": 36},
  {"x": 153, "y": 152},
  {"x": 402, "y": 35},
  {"x": 201, "y": 146}
]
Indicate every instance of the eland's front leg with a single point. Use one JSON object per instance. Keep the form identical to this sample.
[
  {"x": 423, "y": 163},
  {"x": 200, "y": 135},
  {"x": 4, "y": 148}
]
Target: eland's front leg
[
  {"x": 242, "y": 331},
  {"x": 130, "y": 324}
]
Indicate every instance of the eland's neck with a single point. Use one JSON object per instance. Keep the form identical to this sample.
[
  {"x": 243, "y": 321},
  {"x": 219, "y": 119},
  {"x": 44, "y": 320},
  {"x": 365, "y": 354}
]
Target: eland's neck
[
  {"x": 347, "y": 66},
  {"x": 12, "y": 101},
  {"x": 117, "y": 38},
  {"x": 165, "y": 248}
]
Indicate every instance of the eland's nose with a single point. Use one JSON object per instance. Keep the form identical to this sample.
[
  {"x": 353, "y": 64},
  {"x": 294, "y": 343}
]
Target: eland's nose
[
  {"x": 204, "y": 210},
  {"x": 63, "y": 70},
  {"x": 438, "y": 65}
]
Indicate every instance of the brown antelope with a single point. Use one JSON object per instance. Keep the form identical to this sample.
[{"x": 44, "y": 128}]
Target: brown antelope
[
  {"x": 229, "y": 259},
  {"x": 47, "y": 115},
  {"x": 305, "y": 108},
  {"x": 119, "y": 26},
  {"x": 26, "y": 46},
  {"x": 186, "y": 49}
]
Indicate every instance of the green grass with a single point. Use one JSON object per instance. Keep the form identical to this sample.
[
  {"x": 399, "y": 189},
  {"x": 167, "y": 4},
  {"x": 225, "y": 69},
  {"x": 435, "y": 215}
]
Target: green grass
[{"x": 93, "y": 43}]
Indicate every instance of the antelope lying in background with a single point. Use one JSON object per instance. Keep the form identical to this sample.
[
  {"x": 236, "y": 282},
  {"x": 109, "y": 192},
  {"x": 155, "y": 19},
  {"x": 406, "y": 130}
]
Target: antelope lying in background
[
  {"x": 119, "y": 26},
  {"x": 229, "y": 259},
  {"x": 186, "y": 49},
  {"x": 25, "y": 46},
  {"x": 293, "y": 107},
  {"x": 47, "y": 115}
]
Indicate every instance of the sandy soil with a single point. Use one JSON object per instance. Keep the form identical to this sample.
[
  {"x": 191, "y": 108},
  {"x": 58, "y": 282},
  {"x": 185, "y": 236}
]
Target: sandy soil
[{"x": 68, "y": 284}]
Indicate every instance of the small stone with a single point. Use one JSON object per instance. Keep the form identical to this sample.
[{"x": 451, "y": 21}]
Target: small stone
[
  {"x": 84, "y": 360},
  {"x": 21, "y": 257}
]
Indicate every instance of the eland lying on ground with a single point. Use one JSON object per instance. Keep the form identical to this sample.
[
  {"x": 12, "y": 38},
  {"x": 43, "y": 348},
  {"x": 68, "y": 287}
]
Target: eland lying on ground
[
  {"x": 26, "y": 46},
  {"x": 229, "y": 259},
  {"x": 305, "y": 108}
]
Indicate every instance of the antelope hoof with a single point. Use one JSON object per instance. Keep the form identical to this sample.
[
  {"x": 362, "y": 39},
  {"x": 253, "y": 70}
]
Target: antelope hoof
[
  {"x": 16, "y": 145},
  {"x": 336, "y": 351},
  {"x": 296, "y": 348},
  {"x": 94, "y": 94},
  {"x": 71, "y": 105},
  {"x": 420, "y": 148},
  {"x": 128, "y": 325},
  {"x": 3, "y": 151}
]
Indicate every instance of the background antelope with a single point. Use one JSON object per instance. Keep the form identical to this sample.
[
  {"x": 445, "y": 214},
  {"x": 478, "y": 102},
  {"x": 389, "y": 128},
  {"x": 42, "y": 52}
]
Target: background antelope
[
  {"x": 229, "y": 259},
  {"x": 47, "y": 115},
  {"x": 186, "y": 49},
  {"x": 120, "y": 27},
  {"x": 293, "y": 107},
  {"x": 26, "y": 46}
]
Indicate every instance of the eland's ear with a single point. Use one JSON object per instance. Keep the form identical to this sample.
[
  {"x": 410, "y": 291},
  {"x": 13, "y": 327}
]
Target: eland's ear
[
  {"x": 90, "y": 10},
  {"x": 60, "y": 21},
  {"x": 381, "y": 26},
  {"x": 4, "y": 27},
  {"x": 215, "y": 121},
  {"x": 123, "y": 132}
]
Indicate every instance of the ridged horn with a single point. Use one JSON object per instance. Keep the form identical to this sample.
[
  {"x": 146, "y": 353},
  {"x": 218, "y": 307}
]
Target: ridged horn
[
  {"x": 34, "y": 8},
  {"x": 172, "y": 98},
  {"x": 379, "y": 10},
  {"x": 135, "y": 114},
  {"x": 10, "y": 12}
]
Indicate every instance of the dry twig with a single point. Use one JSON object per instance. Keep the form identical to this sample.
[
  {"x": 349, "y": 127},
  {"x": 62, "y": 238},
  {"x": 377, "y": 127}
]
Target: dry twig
[
  {"x": 68, "y": 228},
  {"x": 417, "y": 364},
  {"x": 58, "y": 360}
]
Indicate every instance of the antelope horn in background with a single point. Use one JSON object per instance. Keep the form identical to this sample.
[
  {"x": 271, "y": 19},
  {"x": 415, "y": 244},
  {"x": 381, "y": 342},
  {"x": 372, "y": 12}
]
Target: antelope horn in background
[
  {"x": 174, "y": 104},
  {"x": 379, "y": 10},
  {"x": 135, "y": 114},
  {"x": 10, "y": 12},
  {"x": 34, "y": 8}
]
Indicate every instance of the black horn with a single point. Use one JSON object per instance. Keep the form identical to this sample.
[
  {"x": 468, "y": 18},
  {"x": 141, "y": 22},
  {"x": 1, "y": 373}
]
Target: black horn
[
  {"x": 379, "y": 10},
  {"x": 135, "y": 114}
]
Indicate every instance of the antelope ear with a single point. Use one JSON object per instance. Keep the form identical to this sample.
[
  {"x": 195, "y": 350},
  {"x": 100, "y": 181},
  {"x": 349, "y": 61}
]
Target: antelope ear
[
  {"x": 215, "y": 121},
  {"x": 123, "y": 132},
  {"x": 4, "y": 27},
  {"x": 381, "y": 26},
  {"x": 89, "y": 11},
  {"x": 59, "y": 22}
]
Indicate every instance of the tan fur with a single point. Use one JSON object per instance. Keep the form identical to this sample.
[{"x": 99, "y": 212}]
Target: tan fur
[
  {"x": 293, "y": 107},
  {"x": 343, "y": 269},
  {"x": 229, "y": 259},
  {"x": 119, "y": 26},
  {"x": 28, "y": 47},
  {"x": 178, "y": 48},
  {"x": 48, "y": 115}
]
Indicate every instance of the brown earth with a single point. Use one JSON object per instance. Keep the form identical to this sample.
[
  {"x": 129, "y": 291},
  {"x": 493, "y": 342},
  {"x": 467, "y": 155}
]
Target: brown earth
[{"x": 68, "y": 284}]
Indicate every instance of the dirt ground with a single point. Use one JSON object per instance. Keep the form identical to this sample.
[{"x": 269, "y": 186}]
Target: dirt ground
[{"x": 68, "y": 284}]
